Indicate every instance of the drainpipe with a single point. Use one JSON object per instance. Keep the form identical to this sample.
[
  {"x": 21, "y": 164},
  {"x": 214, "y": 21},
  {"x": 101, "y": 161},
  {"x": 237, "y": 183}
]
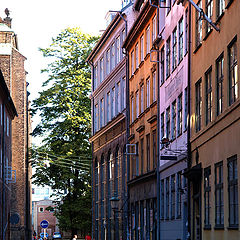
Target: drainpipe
[
  {"x": 3, "y": 172},
  {"x": 158, "y": 138},
  {"x": 189, "y": 120}
]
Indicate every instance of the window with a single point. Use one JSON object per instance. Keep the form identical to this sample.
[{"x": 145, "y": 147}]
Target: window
[
  {"x": 162, "y": 199},
  {"x": 111, "y": 174},
  {"x": 186, "y": 31},
  {"x": 168, "y": 123},
  {"x": 173, "y": 200},
  {"x": 137, "y": 159},
  {"x": 118, "y": 50},
  {"x": 154, "y": 86},
  {"x": 96, "y": 118},
  {"x": 8, "y": 126},
  {"x": 179, "y": 194},
  {"x": 142, "y": 155},
  {"x": 148, "y": 152},
  {"x": 154, "y": 148},
  {"x": 113, "y": 56},
  {"x": 162, "y": 64},
  {"x": 233, "y": 72},
  {"x": 174, "y": 120},
  {"x": 162, "y": 126},
  {"x": 118, "y": 97},
  {"x": 198, "y": 25},
  {"x": 148, "y": 40},
  {"x": 142, "y": 48},
  {"x": 180, "y": 40},
  {"x": 95, "y": 78},
  {"x": 168, "y": 54},
  {"x": 41, "y": 209},
  {"x": 198, "y": 89},
  {"x": 220, "y": 84},
  {"x": 96, "y": 180},
  {"x": 101, "y": 112},
  {"x": 219, "y": 213},
  {"x": 233, "y": 191},
  {"x": 123, "y": 35},
  {"x": 113, "y": 103},
  {"x": 185, "y": 108},
  {"x": 208, "y": 76},
  {"x": 154, "y": 28},
  {"x": 108, "y": 107},
  {"x": 133, "y": 161},
  {"x": 137, "y": 104},
  {"x": 220, "y": 7},
  {"x": 169, "y": 6},
  {"x": 101, "y": 70},
  {"x": 132, "y": 62},
  {"x": 167, "y": 197},
  {"x": 179, "y": 115},
  {"x": 136, "y": 55},
  {"x": 207, "y": 194},
  {"x": 132, "y": 108},
  {"x": 142, "y": 99},
  {"x": 209, "y": 13},
  {"x": 124, "y": 92},
  {"x": 148, "y": 92},
  {"x": 108, "y": 61},
  {"x": 174, "y": 49}
]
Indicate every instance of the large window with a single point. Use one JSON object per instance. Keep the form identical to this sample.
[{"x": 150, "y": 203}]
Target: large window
[
  {"x": 101, "y": 112},
  {"x": 185, "y": 108},
  {"x": 108, "y": 61},
  {"x": 124, "y": 92},
  {"x": 209, "y": 12},
  {"x": 179, "y": 115},
  {"x": 137, "y": 104},
  {"x": 154, "y": 28},
  {"x": 207, "y": 194},
  {"x": 233, "y": 191},
  {"x": 208, "y": 76},
  {"x": 148, "y": 40},
  {"x": 198, "y": 90},
  {"x": 96, "y": 118},
  {"x": 180, "y": 40},
  {"x": 142, "y": 155},
  {"x": 136, "y": 55},
  {"x": 186, "y": 31},
  {"x": 162, "y": 199},
  {"x": 137, "y": 159},
  {"x": 168, "y": 123},
  {"x": 113, "y": 56},
  {"x": 220, "y": 7},
  {"x": 233, "y": 72},
  {"x": 118, "y": 97},
  {"x": 95, "y": 78},
  {"x": 162, "y": 64},
  {"x": 132, "y": 108},
  {"x": 148, "y": 152},
  {"x": 174, "y": 49},
  {"x": 142, "y": 98},
  {"x": 154, "y": 86},
  {"x": 219, "y": 65},
  {"x": 179, "y": 194},
  {"x": 118, "y": 49},
  {"x": 219, "y": 207},
  {"x": 198, "y": 25},
  {"x": 113, "y": 103},
  {"x": 162, "y": 126},
  {"x": 173, "y": 193},
  {"x": 167, "y": 197},
  {"x": 148, "y": 92},
  {"x": 174, "y": 120},
  {"x": 142, "y": 48},
  {"x": 132, "y": 62},
  {"x": 108, "y": 107},
  {"x": 154, "y": 148},
  {"x": 101, "y": 70},
  {"x": 168, "y": 55}
]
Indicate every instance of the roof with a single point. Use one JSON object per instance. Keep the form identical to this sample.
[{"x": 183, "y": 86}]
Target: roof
[
  {"x": 5, "y": 28},
  {"x": 104, "y": 36}
]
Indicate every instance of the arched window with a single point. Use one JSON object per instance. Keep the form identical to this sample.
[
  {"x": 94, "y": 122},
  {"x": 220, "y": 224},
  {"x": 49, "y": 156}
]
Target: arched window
[{"x": 117, "y": 170}]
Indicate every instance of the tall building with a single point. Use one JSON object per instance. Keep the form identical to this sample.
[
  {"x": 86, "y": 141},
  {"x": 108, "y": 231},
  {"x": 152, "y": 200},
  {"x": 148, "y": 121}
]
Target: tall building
[
  {"x": 109, "y": 164},
  {"x": 12, "y": 67},
  {"x": 215, "y": 120},
  {"x": 142, "y": 138}
]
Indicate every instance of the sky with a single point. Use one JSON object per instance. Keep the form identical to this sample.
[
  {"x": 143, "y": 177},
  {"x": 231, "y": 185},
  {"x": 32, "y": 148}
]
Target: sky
[{"x": 36, "y": 22}]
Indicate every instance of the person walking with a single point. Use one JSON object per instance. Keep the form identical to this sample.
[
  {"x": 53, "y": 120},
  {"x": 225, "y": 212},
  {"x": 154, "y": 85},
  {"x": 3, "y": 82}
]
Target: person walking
[{"x": 74, "y": 237}]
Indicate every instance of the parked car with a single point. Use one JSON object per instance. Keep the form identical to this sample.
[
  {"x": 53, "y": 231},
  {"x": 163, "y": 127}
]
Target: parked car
[{"x": 57, "y": 235}]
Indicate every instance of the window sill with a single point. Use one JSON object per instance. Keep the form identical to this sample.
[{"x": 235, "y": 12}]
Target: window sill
[
  {"x": 197, "y": 48},
  {"x": 147, "y": 56},
  {"x": 141, "y": 63},
  {"x": 233, "y": 227},
  {"x": 207, "y": 227},
  {"x": 136, "y": 70},
  {"x": 219, "y": 227},
  {"x": 229, "y": 4},
  {"x": 220, "y": 17}
]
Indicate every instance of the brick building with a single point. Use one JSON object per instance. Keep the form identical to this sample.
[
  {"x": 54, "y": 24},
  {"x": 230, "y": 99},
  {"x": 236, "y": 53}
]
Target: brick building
[{"x": 12, "y": 66}]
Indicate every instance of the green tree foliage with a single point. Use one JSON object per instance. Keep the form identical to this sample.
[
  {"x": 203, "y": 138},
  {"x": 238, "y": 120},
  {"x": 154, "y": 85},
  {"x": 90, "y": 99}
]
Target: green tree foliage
[{"x": 64, "y": 157}]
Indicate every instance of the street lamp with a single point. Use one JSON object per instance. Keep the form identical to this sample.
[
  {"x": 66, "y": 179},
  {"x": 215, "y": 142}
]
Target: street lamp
[{"x": 114, "y": 205}]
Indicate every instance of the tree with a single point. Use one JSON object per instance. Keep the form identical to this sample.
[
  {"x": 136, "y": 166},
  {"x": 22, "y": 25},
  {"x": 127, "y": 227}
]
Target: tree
[{"x": 64, "y": 157}]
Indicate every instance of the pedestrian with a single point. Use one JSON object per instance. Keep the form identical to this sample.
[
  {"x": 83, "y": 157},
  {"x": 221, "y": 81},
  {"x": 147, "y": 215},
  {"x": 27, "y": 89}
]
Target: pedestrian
[{"x": 74, "y": 237}]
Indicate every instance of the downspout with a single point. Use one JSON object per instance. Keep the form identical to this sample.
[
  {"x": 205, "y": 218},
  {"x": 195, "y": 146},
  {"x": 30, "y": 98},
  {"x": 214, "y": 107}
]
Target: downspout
[
  {"x": 189, "y": 119},
  {"x": 3, "y": 172},
  {"x": 158, "y": 137}
]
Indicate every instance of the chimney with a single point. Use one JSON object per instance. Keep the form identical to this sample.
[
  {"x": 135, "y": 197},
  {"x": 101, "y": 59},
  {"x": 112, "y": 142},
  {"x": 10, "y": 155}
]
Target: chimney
[{"x": 8, "y": 20}]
